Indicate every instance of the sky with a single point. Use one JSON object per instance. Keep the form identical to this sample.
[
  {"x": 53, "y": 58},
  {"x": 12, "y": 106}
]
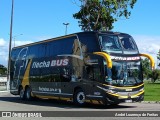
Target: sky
[{"x": 36, "y": 20}]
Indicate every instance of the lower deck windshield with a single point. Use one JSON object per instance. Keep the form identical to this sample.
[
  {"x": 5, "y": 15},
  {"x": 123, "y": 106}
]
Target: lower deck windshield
[{"x": 124, "y": 74}]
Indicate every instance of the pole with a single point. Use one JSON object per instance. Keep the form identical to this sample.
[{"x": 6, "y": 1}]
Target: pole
[
  {"x": 66, "y": 24},
  {"x": 10, "y": 45}
]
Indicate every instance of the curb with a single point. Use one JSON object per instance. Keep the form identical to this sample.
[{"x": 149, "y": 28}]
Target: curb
[
  {"x": 4, "y": 91},
  {"x": 151, "y": 102}
]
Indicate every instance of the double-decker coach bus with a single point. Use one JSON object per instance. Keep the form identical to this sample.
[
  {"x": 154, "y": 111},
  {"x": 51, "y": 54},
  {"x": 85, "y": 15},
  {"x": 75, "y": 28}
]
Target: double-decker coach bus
[{"x": 95, "y": 67}]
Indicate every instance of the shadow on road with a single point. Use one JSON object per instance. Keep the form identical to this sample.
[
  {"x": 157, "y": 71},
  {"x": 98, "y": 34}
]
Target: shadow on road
[{"x": 59, "y": 103}]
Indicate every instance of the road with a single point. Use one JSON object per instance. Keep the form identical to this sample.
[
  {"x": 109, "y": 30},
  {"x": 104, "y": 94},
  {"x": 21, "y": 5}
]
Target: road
[{"x": 9, "y": 102}]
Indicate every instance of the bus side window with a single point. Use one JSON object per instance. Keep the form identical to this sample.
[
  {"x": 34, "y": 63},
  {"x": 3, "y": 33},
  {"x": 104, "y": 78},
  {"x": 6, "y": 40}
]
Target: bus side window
[
  {"x": 90, "y": 42},
  {"x": 94, "y": 72},
  {"x": 90, "y": 72}
]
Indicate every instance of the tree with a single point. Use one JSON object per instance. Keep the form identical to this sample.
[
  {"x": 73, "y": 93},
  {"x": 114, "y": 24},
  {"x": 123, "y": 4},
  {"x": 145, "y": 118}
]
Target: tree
[
  {"x": 155, "y": 75},
  {"x": 3, "y": 70},
  {"x": 101, "y": 14},
  {"x": 147, "y": 71},
  {"x": 158, "y": 57}
]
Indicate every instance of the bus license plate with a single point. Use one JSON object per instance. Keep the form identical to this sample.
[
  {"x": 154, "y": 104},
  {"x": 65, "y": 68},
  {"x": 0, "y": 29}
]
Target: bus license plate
[{"x": 128, "y": 101}]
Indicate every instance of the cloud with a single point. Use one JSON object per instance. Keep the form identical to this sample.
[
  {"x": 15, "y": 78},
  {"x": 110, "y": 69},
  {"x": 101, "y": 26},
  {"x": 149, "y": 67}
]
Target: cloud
[
  {"x": 4, "y": 48},
  {"x": 2, "y": 42},
  {"x": 40, "y": 38},
  {"x": 3, "y": 52},
  {"x": 20, "y": 42},
  {"x": 148, "y": 44}
]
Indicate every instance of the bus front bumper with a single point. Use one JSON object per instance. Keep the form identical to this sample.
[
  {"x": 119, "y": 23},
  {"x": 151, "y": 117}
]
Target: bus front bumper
[{"x": 122, "y": 97}]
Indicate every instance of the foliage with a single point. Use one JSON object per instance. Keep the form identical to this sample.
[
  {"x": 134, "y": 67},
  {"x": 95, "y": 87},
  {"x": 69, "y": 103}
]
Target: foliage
[
  {"x": 101, "y": 14},
  {"x": 146, "y": 68},
  {"x": 158, "y": 57},
  {"x": 155, "y": 75},
  {"x": 3, "y": 70},
  {"x": 148, "y": 73}
]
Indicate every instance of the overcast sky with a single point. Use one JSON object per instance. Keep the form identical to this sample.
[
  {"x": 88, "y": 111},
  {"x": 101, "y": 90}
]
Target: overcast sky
[{"x": 42, "y": 19}]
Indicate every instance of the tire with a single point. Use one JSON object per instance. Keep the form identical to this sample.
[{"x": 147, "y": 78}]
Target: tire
[
  {"x": 28, "y": 93},
  {"x": 79, "y": 97},
  {"x": 21, "y": 94}
]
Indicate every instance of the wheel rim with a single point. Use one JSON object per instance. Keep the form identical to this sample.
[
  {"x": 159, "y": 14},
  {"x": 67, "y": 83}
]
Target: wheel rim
[
  {"x": 28, "y": 94},
  {"x": 22, "y": 93},
  {"x": 81, "y": 97}
]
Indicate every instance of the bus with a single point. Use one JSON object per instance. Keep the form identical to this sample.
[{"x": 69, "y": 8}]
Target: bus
[{"x": 95, "y": 67}]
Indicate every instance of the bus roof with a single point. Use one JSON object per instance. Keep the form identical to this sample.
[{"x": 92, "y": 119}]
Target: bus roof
[{"x": 70, "y": 35}]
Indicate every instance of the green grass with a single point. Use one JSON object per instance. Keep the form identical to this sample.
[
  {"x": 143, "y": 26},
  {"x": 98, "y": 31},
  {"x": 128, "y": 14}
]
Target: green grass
[{"x": 152, "y": 91}]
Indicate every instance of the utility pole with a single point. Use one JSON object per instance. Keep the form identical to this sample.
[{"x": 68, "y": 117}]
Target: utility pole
[
  {"x": 10, "y": 45},
  {"x": 66, "y": 24}
]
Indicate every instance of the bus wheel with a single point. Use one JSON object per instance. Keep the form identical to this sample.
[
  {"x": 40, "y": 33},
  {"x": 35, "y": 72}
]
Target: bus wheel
[
  {"x": 79, "y": 97},
  {"x": 21, "y": 94},
  {"x": 28, "y": 93}
]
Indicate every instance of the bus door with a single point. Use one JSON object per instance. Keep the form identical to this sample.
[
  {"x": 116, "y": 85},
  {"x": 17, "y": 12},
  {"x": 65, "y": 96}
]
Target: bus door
[{"x": 94, "y": 75}]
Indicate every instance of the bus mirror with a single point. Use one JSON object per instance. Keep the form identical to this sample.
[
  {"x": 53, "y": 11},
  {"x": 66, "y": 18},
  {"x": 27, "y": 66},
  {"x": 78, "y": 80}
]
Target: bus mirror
[
  {"x": 106, "y": 57},
  {"x": 150, "y": 58}
]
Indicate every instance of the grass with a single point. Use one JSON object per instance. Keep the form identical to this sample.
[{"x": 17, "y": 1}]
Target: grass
[{"x": 152, "y": 91}]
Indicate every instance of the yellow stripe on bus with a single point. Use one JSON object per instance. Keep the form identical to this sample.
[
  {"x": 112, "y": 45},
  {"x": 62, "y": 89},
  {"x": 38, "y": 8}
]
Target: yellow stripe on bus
[
  {"x": 124, "y": 87},
  {"x": 25, "y": 80},
  {"x": 133, "y": 96},
  {"x": 47, "y": 97}
]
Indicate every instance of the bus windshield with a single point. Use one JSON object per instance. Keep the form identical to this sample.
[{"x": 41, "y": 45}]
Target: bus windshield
[
  {"x": 110, "y": 43},
  {"x": 118, "y": 43},
  {"x": 125, "y": 73},
  {"x": 128, "y": 44}
]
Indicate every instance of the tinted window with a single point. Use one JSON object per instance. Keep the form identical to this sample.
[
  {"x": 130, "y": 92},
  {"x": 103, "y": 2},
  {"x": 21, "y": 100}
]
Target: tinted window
[
  {"x": 110, "y": 43},
  {"x": 64, "y": 46},
  {"x": 33, "y": 51},
  {"x": 90, "y": 42},
  {"x": 128, "y": 45}
]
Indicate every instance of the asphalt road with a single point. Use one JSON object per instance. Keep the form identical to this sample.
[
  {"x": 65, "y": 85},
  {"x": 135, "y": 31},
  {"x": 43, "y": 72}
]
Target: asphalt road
[{"x": 12, "y": 103}]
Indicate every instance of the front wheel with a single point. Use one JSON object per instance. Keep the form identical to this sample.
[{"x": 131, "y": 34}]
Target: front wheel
[{"x": 79, "y": 97}]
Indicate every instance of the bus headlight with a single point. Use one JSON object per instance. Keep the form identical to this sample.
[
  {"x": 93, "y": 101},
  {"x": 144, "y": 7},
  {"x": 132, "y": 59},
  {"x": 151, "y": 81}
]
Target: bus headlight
[
  {"x": 107, "y": 90},
  {"x": 142, "y": 89},
  {"x": 111, "y": 91}
]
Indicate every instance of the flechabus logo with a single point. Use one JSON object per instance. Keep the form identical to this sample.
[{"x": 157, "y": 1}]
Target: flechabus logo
[
  {"x": 52, "y": 63},
  {"x": 125, "y": 58},
  {"x": 61, "y": 62},
  {"x": 41, "y": 64}
]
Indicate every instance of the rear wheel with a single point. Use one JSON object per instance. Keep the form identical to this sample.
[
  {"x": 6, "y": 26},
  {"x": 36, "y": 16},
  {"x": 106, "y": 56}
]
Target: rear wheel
[
  {"x": 28, "y": 93},
  {"x": 79, "y": 97},
  {"x": 21, "y": 94}
]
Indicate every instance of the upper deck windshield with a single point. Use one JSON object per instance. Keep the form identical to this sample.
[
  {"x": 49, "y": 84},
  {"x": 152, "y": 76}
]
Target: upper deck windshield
[{"x": 118, "y": 44}]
